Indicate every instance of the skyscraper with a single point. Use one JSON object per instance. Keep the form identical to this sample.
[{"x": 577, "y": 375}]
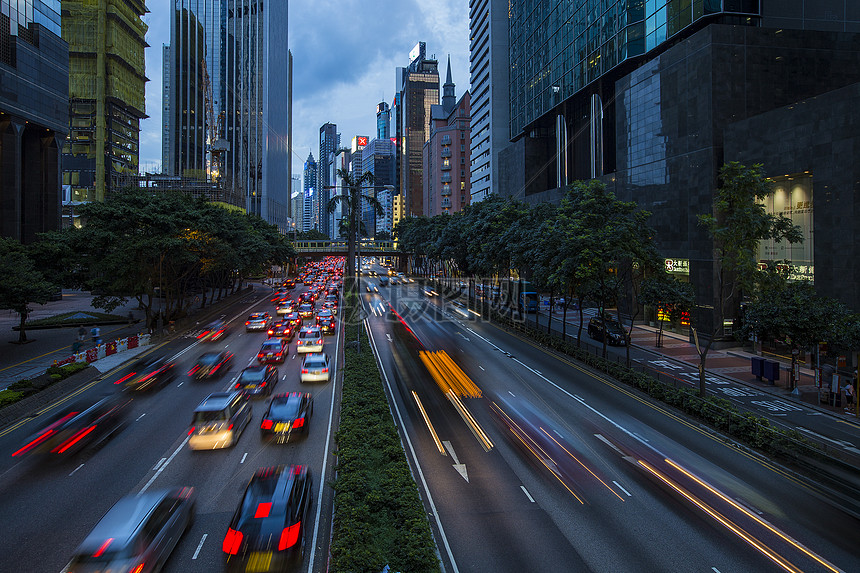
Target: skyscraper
[
  {"x": 383, "y": 120},
  {"x": 617, "y": 92},
  {"x": 490, "y": 109},
  {"x": 329, "y": 144},
  {"x": 309, "y": 187},
  {"x": 34, "y": 116},
  {"x": 229, "y": 100},
  {"x": 378, "y": 159},
  {"x": 418, "y": 86},
  {"x": 106, "y": 93}
]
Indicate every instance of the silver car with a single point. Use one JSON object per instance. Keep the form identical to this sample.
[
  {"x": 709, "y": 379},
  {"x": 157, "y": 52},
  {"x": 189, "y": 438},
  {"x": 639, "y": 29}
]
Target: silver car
[
  {"x": 137, "y": 534},
  {"x": 316, "y": 367},
  {"x": 310, "y": 340},
  {"x": 219, "y": 420},
  {"x": 257, "y": 321}
]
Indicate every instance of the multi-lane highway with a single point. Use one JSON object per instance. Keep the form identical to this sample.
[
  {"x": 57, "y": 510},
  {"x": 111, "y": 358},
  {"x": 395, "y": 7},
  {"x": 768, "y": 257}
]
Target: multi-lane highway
[
  {"x": 48, "y": 509},
  {"x": 526, "y": 462},
  {"x": 558, "y": 468}
]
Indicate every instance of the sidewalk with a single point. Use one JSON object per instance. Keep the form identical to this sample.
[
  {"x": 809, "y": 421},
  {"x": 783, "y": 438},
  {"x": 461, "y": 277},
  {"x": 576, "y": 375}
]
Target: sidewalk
[
  {"x": 44, "y": 346},
  {"x": 731, "y": 363}
]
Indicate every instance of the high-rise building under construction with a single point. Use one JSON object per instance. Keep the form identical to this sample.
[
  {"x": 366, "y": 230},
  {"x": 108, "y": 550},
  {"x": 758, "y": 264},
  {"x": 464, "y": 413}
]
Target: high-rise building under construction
[{"x": 106, "y": 93}]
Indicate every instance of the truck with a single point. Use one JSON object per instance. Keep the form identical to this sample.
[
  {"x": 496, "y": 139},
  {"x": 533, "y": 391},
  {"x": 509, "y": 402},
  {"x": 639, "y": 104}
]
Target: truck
[{"x": 519, "y": 294}]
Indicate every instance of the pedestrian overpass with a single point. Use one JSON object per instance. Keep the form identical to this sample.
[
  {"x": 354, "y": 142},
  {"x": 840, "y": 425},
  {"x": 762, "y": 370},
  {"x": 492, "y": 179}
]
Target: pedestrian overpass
[{"x": 338, "y": 248}]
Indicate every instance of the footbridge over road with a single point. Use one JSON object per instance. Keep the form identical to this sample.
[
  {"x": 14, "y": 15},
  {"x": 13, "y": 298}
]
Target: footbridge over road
[{"x": 365, "y": 247}]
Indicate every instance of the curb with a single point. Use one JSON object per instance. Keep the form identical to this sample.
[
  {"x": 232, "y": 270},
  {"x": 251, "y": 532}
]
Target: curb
[{"x": 29, "y": 406}]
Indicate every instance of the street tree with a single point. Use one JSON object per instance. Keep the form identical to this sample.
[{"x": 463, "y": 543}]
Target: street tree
[
  {"x": 21, "y": 284},
  {"x": 671, "y": 298},
  {"x": 350, "y": 202},
  {"x": 796, "y": 315},
  {"x": 737, "y": 224}
]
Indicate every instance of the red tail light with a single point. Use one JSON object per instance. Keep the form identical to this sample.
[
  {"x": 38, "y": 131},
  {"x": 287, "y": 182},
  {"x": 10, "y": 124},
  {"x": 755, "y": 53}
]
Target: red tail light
[
  {"x": 191, "y": 430},
  {"x": 230, "y": 427},
  {"x": 247, "y": 322},
  {"x": 124, "y": 378},
  {"x": 298, "y": 422},
  {"x": 266, "y": 425},
  {"x": 260, "y": 356},
  {"x": 193, "y": 370},
  {"x": 217, "y": 366},
  {"x": 238, "y": 384},
  {"x": 304, "y": 370},
  {"x": 232, "y": 541},
  {"x": 290, "y": 536},
  {"x": 73, "y": 440},
  {"x": 102, "y": 547},
  {"x": 202, "y": 334},
  {"x": 137, "y": 569},
  {"x": 325, "y": 370}
]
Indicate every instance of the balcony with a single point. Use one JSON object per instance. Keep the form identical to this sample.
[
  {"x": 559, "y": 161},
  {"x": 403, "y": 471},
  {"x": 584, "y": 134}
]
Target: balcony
[
  {"x": 446, "y": 140},
  {"x": 446, "y": 178},
  {"x": 446, "y": 190},
  {"x": 446, "y": 152}
]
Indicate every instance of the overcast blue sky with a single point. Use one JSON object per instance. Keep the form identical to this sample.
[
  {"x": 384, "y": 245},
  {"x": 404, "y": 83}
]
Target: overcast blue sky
[{"x": 345, "y": 53}]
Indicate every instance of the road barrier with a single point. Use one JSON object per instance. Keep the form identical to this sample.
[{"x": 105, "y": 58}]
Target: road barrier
[{"x": 105, "y": 349}]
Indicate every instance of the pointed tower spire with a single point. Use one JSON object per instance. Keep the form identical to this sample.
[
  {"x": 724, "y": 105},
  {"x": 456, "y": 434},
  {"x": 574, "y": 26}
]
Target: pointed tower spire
[{"x": 449, "y": 100}]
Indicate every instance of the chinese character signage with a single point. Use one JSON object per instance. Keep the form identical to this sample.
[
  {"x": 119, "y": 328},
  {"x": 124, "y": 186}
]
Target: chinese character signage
[{"x": 677, "y": 266}]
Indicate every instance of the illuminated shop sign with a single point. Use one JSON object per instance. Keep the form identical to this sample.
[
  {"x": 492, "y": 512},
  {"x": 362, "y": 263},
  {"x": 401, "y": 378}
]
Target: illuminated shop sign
[{"x": 677, "y": 266}]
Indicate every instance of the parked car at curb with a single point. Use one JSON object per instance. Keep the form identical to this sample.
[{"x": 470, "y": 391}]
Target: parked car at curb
[{"x": 616, "y": 333}]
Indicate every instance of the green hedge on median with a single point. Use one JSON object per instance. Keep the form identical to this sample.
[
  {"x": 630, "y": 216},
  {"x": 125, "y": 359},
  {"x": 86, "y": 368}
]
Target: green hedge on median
[
  {"x": 21, "y": 389},
  {"x": 379, "y": 518}
]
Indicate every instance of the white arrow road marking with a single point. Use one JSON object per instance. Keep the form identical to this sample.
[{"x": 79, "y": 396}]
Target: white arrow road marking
[
  {"x": 457, "y": 465},
  {"x": 389, "y": 337}
]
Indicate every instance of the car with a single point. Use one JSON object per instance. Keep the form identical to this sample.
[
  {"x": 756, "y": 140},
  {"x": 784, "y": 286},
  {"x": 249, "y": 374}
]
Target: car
[
  {"x": 282, "y": 330},
  {"x": 616, "y": 333},
  {"x": 138, "y": 533},
  {"x": 332, "y": 290},
  {"x": 218, "y": 421},
  {"x": 88, "y": 421},
  {"x": 292, "y": 318},
  {"x": 326, "y": 322},
  {"x": 331, "y": 298},
  {"x": 286, "y": 307},
  {"x": 330, "y": 306},
  {"x": 307, "y": 297},
  {"x": 257, "y": 321},
  {"x": 211, "y": 364},
  {"x": 257, "y": 380},
  {"x": 272, "y": 350},
  {"x": 306, "y": 310},
  {"x": 383, "y": 280},
  {"x": 393, "y": 281},
  {"x": 214, "y": 332},
  {"x": 316, "y": 367},
  {"x": 371, "y": 287},
  {"x": 286, "y": 415},
  {"x": 149, "y": 373},
  {"x": 310, "y": 340},
  {"x": 280, "y": 295},
  {"x": 289, "y": 284},
  {"x": 267, "y": 531}
]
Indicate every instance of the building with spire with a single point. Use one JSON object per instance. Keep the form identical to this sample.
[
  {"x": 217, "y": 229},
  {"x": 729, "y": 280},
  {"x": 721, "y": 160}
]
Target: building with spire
[
  {"x": 309, "y": 194},
  {"x": 445, "y": 156},
  {"x": 418, "y": 89}
]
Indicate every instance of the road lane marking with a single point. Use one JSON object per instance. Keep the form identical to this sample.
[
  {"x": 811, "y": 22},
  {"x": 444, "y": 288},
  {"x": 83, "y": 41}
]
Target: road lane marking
[
  {"x": 141, "y": 416},
  {"x": 481, "y": 367},
  {"x": 164, "y": 465},
  {"x": 243, "y": 458},
  {"x": 461, "y": 468},
  {"x": 180, "y": 384},
  {"x": 525, "y": 491},
  {"x": 608, "y": 443},
  {"x": 200, "y": 546},
  {"x": 621, "y": 488},
  {"x": 512, "y": 394},
  {"x": 158, "y": 464},
  {"x": 715, "y": 570},
  {"x": 76, "y": 469}
]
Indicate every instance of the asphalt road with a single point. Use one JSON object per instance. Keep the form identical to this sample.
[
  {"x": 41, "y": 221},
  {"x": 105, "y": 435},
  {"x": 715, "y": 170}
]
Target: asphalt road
[
  {"x": 611, "y": 482},
  {"x": 49, "y": 509}
]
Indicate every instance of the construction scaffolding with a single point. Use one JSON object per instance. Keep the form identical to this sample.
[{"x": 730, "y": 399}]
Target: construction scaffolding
[{"x": 106, "y": 93}]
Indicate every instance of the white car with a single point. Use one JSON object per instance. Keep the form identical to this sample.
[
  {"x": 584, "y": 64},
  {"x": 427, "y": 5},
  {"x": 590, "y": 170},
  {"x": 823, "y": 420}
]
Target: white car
[
  {"x": 219, "y": 420},
  {"x": 316, "y": 367},
  {"x": 310, "y": 340}
]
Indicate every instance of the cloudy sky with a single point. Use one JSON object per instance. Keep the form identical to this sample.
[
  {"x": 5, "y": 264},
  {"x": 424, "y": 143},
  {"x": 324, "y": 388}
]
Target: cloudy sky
[{"x": 345, "y": 53}]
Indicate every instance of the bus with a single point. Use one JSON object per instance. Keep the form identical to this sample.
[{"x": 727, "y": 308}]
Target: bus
[{"x": 520, "y": 295}]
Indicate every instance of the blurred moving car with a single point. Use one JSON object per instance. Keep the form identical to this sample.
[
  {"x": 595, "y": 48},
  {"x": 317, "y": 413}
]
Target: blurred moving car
[
  {"x": 287, "y": 414},
  {"x": 310, "y": 340},
  {"x": 257, "y": 321},
  {"x": 149, "y": 373},
  {"x": 371, "y": 287},
  {"x": 87, "y": 422},
  {"x": 267, "y": 529},
  {"x": 211, "y": 364},
  {"x": 316, "y": 367},
  {"x": 326, "y": 322},
  {"x": 616, "y": 333},
  {"x": 272, "y": 350},
  {"x": 286, "y": 307},
  {"x": 306, "y": 310},
  {"x": 214, "y": 332},
  {"x": 257, "y": 380},
  {"x": 138, "y": 533},
  {"x": 219, "y": 420},
  {"x": 282, "y": 330}
]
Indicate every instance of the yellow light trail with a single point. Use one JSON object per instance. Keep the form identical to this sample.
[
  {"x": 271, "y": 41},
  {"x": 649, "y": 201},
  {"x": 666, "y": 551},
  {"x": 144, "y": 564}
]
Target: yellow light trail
[
  {"x": 476, "y": 429},
  {"x": 582, "y": 464},
  {"x": 754, "y": 517},
  {"x": 447, "y": 375},
  {"x": 429, "y": 424},
  {"x": 723, "y": 520}
]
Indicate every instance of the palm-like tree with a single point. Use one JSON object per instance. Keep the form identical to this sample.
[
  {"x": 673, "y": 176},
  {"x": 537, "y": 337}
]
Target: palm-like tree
[{"x": 350, "y": 201}]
